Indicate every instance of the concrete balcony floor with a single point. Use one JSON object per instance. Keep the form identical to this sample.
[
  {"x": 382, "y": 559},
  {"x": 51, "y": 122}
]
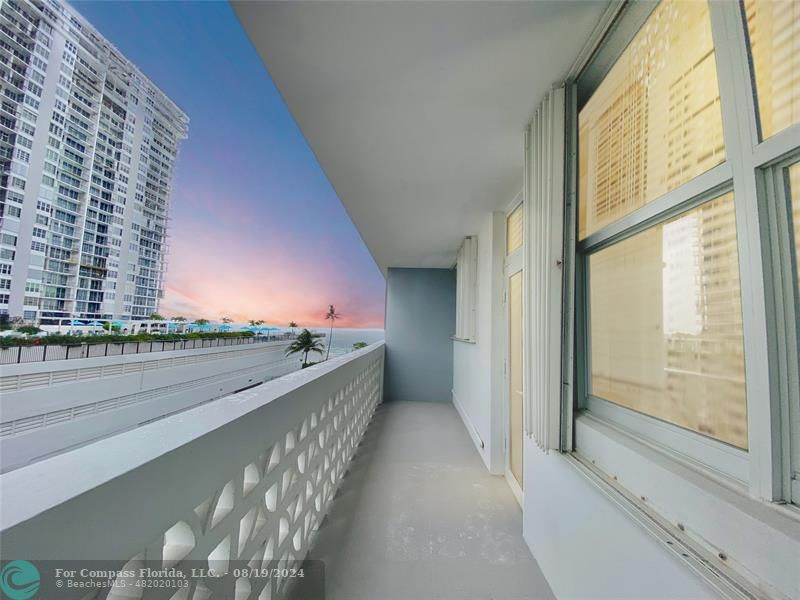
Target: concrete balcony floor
[{"x": 418, "y": 517}]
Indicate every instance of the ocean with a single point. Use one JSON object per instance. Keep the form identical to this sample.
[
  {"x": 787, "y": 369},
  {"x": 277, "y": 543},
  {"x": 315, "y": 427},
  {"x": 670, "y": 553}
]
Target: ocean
[{"x": 343, "y": 339}]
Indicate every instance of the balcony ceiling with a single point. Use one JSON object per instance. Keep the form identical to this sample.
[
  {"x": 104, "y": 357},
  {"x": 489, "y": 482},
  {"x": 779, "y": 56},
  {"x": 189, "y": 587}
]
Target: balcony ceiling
[{"x": 415, "y": 110}]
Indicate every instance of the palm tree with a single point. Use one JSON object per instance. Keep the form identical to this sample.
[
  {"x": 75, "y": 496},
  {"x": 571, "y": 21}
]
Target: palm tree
[
  {"x": 156, "y": 317},
  {"x": 292, "y": 324},
  {"x": 201, "y": 321},
  {"x": 304, "y": 343},
  {"x": 178, "y": 319},
  {"x": 256, "y": 323},
  {"x": 331, "y": 316},
  {"x": 226, "y": 320}
]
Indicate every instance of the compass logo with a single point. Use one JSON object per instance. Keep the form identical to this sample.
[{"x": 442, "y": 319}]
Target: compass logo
[{"x": 19, "y": 580}]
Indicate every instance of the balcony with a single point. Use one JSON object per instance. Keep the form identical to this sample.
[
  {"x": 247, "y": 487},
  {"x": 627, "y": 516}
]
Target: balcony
[
  {"x": 249, "y": 480},
  {"x": 418, "y": 516}
]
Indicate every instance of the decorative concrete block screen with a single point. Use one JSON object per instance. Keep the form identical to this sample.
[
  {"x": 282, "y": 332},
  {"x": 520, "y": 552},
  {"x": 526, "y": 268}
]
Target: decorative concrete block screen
[{"x": 244, "y": 481}]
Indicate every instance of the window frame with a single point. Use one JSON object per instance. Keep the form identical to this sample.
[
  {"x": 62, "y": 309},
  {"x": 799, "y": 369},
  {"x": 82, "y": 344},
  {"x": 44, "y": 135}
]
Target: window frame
[
  {"x": 751, "y": 167},
  {"x": 784, "y": 306}
]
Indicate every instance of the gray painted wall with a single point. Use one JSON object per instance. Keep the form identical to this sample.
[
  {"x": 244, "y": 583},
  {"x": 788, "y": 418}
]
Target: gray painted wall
[{"x": 420, "y": 320}]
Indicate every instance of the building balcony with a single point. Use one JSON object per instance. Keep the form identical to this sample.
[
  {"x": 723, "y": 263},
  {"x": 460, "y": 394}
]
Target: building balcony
[
  {"x": 601, "y": 399},
  {"x": 392, "y": 498}
]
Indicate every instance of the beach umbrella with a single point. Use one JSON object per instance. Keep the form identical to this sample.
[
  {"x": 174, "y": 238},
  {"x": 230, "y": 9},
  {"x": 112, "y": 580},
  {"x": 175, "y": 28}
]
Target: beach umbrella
[
  {"x": 74, "y": 322},
  {"x": 95, "y": 323},
  {"x": 204, "y": 327},
  {"x": 117, "y": 324},
  {"x": 224, "y": 327}
]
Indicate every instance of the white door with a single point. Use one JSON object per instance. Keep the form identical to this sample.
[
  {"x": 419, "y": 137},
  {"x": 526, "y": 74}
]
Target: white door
[{"x": 514, "y": 365}]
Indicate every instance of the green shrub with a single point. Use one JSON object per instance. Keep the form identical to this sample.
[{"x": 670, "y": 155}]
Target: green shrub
[{"x": 29, "y": 329}]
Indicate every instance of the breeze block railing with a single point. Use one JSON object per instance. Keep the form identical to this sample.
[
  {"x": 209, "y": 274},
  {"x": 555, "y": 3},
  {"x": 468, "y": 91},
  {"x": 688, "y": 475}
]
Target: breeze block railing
[{"x": 243, "y": 480}]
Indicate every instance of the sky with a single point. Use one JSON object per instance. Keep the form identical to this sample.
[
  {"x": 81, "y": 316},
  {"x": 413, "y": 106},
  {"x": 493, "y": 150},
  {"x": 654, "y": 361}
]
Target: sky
[{"x": 257, "y": 231}]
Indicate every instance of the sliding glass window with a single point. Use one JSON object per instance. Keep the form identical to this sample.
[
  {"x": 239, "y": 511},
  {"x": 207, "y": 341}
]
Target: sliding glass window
[
  {"x": 664, "y": 305},
  {"x": 688, "y": 229}
]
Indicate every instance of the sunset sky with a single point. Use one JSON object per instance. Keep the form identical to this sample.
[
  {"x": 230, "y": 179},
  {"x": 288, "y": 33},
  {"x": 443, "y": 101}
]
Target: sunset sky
[{"x": 257, "y": 232}]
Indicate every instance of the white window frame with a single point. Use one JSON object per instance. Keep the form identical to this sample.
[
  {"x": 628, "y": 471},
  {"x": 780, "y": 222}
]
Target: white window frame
[
  {"x": 784, "y": 308},
  {"x": 748, "y": 162},
  {"x": 689, "y": 486}
]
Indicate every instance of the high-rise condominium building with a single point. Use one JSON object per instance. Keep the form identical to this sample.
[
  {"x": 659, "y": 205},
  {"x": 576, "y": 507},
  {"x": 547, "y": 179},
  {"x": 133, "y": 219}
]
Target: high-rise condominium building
[{"x": 87, "y": 152}]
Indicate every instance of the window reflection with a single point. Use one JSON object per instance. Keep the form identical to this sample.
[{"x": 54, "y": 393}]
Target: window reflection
[
  {"x": 774, "y": 31},
  {"x": 666, "y": 323},
  {"x": 654, "y": 122}
]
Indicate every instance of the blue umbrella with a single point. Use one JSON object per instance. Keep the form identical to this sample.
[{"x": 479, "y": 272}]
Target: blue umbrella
[
  {"x": 172, "y": 325},
  {"x": 73, "y": 322},
  {"x": 204, "y": 327},
  {"x": 224, "y": 327},
  {"x": 95, "y": 323}
]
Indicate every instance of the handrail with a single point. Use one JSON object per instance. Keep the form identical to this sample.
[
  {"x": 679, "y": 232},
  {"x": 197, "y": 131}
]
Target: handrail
[{"x": 47, "y": 352}]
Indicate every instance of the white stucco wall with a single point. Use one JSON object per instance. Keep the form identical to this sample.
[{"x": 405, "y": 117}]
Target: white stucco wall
[
  {"x": 477, "y": 367},
  {"x": 587, "y": 547}
]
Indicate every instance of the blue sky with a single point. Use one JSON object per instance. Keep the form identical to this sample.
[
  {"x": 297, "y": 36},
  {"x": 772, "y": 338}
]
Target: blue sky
[{"x": 257, "y": 230}]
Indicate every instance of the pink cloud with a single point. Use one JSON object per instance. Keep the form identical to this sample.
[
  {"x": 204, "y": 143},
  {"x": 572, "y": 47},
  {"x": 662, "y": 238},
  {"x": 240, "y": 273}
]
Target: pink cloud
[{"x": 271, "y": 280}]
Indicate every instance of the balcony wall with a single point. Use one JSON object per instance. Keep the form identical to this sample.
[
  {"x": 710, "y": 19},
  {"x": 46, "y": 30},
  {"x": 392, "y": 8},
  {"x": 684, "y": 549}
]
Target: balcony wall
[
  {"x": 420, "y": 320},
  {"x": 246, "y": 478}
]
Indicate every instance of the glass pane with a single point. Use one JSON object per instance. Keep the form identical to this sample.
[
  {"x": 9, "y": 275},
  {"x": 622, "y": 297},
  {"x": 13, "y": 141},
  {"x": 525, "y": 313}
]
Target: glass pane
[
  {"x": 654, "y": 122},
  {"x": 514, "y": 231},
  {"x": 774, "y": 28},
  {"x": 666, "y": 323},
  {"x": 794, "y": 190}
]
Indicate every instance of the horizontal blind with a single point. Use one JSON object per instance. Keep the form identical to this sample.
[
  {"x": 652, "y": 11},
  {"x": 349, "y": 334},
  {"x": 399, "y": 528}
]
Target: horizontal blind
[{"x": 544, "y": 232}]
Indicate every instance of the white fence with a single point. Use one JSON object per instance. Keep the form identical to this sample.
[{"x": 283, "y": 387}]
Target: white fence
[{"x": 243, "y": 480}]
